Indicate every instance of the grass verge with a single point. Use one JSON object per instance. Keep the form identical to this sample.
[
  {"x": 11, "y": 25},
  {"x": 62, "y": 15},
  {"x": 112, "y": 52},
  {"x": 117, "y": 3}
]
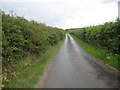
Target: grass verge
[
  {"x": 108, "y": 58},
  {"x": 30, "y": 75}
]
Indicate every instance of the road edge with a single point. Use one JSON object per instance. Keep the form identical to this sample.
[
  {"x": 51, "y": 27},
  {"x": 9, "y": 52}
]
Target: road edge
[
  {"x": 96, "y": 57},
  {"x": 44, "y": 75}
]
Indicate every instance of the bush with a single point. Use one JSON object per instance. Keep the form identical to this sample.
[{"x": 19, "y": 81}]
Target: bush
[
  {"x": 105, "y": 36},
  {"x": 21, "y": 36}
]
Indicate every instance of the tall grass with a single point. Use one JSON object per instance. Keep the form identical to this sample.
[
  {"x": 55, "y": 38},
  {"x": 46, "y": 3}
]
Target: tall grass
[
  {"x": 29, "y": 76},
  {"x": 103, "y": 55},
  {"x": 24, "y": 46}
]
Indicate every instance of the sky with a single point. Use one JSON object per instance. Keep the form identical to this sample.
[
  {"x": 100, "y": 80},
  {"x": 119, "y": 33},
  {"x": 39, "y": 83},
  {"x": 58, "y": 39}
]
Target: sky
[{"x": 64, "y": 13}]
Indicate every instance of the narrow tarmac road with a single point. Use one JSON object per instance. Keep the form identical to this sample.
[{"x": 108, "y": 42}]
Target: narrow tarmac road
[{"x": 75, "y": 68}]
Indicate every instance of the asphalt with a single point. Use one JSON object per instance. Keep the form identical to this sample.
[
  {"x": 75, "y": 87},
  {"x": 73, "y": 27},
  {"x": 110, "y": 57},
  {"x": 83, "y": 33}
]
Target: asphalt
[{"x": 73, "y": 67}]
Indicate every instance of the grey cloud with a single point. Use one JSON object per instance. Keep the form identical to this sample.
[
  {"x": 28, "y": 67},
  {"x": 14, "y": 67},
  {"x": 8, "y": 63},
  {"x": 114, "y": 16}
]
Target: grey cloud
[
  {"x": 64, "y": 13},
  {"x": 109, "y": 1},
  {"x": 42, "y": 12}
]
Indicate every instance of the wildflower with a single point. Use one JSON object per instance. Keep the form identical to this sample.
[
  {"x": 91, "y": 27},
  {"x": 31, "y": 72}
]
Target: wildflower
[
  {"x": 3, "y": 85},
  {"x": 5, "y": 78},
  {"x": 108, "y": 57},
  {"x": 116, "y": 54}
]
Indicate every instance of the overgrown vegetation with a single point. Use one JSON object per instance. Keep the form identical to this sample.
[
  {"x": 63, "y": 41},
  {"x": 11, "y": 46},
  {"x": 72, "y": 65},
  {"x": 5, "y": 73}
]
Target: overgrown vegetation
[
  {"x": 30, "y": 75},
  {"x": 107, "y": 58},
  {"x": 22, "y": 38},
  {"x": 103, "y": 37}
]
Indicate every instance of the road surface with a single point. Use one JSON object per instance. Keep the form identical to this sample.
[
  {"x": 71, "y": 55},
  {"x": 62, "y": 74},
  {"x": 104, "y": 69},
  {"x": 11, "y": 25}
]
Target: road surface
[{"x": 75, "y": 68}]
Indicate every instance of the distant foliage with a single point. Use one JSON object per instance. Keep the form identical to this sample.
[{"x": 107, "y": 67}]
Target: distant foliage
[
  {"x": 105, "y": 36},
  {"x": 20, "y": 36}
]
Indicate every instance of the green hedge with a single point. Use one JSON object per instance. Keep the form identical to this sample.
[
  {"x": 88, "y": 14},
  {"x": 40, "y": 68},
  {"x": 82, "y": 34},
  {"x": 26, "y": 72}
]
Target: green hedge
[
  {"x": 20, "y": 36},
  {"x": 105, "y": 36}
]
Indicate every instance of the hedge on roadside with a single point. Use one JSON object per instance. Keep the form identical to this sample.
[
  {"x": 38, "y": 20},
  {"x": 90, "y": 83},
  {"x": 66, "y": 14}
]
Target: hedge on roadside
[
  {"x": 20, "y": 36},
  {"x": 105, "y": 36}
]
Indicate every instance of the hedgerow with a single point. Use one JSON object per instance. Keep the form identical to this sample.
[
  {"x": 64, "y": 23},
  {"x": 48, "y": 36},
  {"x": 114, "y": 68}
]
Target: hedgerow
[
  {"x": 105, "y": 36},
  {"x": 20, "y": 36}
]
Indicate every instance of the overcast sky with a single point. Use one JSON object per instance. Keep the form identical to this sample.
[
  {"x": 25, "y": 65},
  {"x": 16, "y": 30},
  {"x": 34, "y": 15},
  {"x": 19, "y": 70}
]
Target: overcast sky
[{"x": 64, "y": 13}]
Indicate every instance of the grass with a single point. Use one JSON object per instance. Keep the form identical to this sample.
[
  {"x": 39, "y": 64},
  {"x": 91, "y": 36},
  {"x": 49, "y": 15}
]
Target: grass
[
  {"x": 108, "y": 58},
  {"x": 29, "y": 76}
]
